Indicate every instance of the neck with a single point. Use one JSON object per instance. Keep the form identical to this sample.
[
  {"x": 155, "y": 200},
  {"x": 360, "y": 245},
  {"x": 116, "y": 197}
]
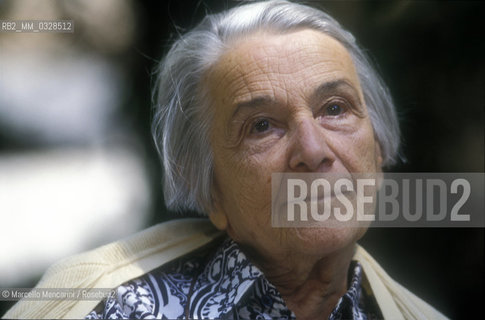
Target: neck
[{"x": 310, "y": 286}]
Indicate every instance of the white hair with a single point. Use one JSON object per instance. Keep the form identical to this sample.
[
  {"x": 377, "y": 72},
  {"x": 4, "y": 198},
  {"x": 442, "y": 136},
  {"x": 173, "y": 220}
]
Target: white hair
[{"x": 182, "y": 117}]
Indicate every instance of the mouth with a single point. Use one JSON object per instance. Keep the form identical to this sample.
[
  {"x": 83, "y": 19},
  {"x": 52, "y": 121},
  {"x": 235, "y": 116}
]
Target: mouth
[{"x": 321, "y": 198}]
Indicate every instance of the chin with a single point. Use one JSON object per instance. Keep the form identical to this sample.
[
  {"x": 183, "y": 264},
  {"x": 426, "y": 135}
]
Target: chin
[{"x": 325, "y": 241}]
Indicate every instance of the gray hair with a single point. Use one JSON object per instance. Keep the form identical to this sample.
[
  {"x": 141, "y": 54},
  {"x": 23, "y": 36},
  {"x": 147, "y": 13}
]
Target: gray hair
[{"x": 182, "y": 116}]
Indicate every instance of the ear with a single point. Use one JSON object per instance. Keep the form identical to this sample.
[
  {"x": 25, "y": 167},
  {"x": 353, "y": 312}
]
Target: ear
[
  {"x": 378, "y": 156},
  {"x": 379, "y": 161},
  {"x": 217, "y": 215},
  {"x": 218, "y": 219}
]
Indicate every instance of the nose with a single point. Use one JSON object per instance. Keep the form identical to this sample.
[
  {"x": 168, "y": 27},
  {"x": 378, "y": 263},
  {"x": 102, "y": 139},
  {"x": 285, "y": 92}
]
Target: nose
[{"x": 309, "y": 151}]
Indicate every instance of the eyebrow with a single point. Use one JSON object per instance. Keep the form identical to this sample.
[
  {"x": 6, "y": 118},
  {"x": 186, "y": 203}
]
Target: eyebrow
[
  {"x": 330, "y": 87},
  {"x": 259, "y": 101},
  {"x": 324, "y": 89}
]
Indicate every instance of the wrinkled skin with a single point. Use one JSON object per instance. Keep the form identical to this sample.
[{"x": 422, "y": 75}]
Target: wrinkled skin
[{"x": 288, "y": 103}]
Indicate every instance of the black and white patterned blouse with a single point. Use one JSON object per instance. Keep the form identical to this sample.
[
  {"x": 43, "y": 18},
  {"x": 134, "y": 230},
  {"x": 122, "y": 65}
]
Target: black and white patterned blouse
[{"x": 221, "y": 285}]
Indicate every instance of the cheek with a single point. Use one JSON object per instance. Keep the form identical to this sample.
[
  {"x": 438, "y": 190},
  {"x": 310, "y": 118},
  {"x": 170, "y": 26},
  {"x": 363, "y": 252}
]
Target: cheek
[
  {"x": 245, "y": 186},
  {"x": 357, "y": 151},
  {"x": 365, "y": 150},
  {"x": 256, "y": 167}
]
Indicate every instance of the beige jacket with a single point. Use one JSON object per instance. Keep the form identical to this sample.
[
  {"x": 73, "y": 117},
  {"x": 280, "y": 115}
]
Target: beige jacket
[{"x": 111, "y": 265}]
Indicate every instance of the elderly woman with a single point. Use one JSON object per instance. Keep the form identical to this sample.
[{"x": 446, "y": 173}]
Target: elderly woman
[{"x": 266, "y": 87}]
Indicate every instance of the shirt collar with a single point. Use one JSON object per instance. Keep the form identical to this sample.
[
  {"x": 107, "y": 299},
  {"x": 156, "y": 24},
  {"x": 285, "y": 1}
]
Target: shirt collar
[{"x": 239, "y": 287}]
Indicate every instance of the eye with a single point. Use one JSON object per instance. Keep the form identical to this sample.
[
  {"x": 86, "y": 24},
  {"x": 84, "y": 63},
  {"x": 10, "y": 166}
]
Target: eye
[
  {"x": 333, "y": 109},
  {"x": 261, "y": 125}
]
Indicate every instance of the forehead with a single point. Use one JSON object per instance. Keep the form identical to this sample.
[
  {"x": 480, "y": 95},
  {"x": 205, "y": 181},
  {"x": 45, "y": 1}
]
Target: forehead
[{"x": 274, "y": 64}]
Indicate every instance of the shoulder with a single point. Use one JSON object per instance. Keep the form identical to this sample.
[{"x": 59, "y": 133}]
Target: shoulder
[
  {"x": 394, "y": 301},
  {"x": 161, "y": 293},
  {"x": 206, "y": 283},
  {"x": 114, "y": 264}
]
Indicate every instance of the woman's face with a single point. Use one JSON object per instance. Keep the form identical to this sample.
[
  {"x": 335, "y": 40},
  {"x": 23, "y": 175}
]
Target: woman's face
[{"x": 284, "y": 103}]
